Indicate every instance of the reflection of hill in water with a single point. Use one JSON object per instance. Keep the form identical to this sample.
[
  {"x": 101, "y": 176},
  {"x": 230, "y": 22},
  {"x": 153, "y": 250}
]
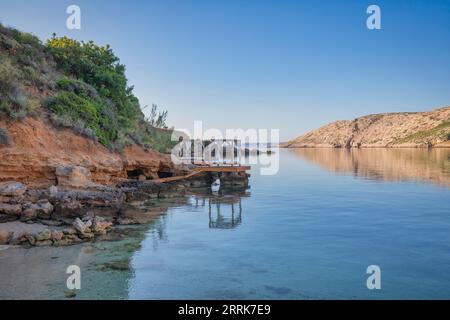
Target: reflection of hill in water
[{"x": 428, "y": 165}]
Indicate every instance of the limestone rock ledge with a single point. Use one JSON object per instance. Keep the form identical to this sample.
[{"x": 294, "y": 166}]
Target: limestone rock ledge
[
  {"x": 61, "y": 215},
  {"x": 41, "y": 155}
]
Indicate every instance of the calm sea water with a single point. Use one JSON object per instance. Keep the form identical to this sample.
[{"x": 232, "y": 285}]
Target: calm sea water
[{"x": 309, "y": 232}]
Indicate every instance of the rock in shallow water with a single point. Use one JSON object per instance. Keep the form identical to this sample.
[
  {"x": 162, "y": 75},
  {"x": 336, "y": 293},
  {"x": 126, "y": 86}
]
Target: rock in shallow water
[
  {"x": 80, "y": 226},
  {"x": 100, "y": 226}
]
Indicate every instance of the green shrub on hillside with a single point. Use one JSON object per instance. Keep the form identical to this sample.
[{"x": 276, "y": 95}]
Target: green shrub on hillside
[
  {"x": 14, "y": 100},
  {"x": 24, "y": 70},
  {"x": 100, "y": 68},
  {"x": 81, "y": 83},
  {"x": 26, "y": 38},
  {"x": 81, "y": 103},
  {"x": 96, "y": 84}
]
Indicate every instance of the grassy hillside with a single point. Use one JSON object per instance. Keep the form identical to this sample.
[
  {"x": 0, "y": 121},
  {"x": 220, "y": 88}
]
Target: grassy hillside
[{"x": 80, "y": 85}]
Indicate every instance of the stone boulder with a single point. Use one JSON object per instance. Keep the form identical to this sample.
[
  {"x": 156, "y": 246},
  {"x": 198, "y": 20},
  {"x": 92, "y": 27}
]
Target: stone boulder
[
  {"x": 44, "y": 235},
  {"x": 57, "y": 235},
  {"x": 80, "y": 226},
  {"x": 73, "y": 176},
  {"x": 68, "y": 208},
  {"x": 69, "y": 231},
  {"x": 30, "y": 238},
  {"x": 5, "y": 236},
  {"x": 76, "y": 203},
  {"x": 100, "y": 225},
  {"x": 42, "y": 209},
  {"x": 12, "y": 189},
  {"x": 53, "y": 191},
  {"x": 10, "y": 209},
  {"x": 7, "y": 218},
  {"x": 43, "y": 243},
  {"x": 29, "y": 212}
]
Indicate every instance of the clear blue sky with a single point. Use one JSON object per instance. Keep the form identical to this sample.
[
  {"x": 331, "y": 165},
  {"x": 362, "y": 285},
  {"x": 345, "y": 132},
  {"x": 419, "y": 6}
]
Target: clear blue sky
[{"x": 292, "y": 65}]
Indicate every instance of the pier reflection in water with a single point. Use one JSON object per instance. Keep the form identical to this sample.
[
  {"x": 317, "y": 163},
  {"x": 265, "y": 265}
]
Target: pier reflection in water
[{"x": 224, "y": 207}]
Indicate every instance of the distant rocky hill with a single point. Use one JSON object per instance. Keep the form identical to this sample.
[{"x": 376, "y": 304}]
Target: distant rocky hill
[{"x": 406, "y": 129}]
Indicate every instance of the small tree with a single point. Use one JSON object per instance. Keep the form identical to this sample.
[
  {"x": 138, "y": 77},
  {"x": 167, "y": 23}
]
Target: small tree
[{"x": 157, "y": 119}]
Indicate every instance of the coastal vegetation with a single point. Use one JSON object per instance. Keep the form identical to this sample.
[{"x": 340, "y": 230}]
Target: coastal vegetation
[
  {"x": 80, "y": 85},
  {"x": 441, "y": 131}
]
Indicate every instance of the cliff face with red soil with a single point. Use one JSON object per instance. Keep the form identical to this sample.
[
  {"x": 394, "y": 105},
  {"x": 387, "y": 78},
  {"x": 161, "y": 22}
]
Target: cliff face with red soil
[{"x": 37, "y": 149}]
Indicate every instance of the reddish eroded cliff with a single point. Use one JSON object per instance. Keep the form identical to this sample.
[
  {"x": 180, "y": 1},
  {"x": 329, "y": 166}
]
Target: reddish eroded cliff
[{"x": 36, "y": 149}]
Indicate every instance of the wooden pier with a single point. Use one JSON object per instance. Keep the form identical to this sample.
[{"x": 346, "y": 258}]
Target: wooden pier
[{"x": 201, "y": 169}]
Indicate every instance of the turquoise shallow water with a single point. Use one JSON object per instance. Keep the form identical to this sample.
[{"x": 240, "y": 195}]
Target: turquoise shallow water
[{"x": 308, "y": 232}]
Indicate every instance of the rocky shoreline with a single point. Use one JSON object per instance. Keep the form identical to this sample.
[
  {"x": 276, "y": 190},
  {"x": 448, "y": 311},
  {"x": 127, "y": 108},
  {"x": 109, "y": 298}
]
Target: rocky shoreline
[{"x": 67, "y": 214}]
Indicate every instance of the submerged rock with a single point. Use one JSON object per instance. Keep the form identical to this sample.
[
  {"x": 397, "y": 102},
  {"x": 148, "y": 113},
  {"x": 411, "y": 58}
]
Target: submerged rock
[
  {"x": 70, "y": 294},
  {"x": 117, "y": 265}
]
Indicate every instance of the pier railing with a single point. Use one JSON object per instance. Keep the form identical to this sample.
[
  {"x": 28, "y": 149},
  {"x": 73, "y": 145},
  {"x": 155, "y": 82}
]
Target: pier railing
[{"x": 210, "y": 153}]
